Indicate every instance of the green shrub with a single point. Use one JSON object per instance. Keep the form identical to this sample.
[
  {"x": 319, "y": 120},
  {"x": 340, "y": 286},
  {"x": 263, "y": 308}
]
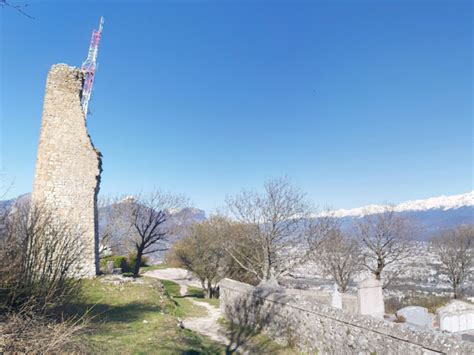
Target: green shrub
[
  {"x": 132, "y": 259},
  {"x": 125, "y": 263},
  {"x": 171, "y": 288},
  {"x": 119, "y": 262}
]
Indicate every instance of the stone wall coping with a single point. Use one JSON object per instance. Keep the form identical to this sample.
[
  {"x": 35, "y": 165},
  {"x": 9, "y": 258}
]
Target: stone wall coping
[{"x": 426, "y": 338}]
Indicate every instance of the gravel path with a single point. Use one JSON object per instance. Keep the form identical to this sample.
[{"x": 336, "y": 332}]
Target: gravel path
[
  {"x": 180, "y": 276},
  {"x": 206, "y": 325}
]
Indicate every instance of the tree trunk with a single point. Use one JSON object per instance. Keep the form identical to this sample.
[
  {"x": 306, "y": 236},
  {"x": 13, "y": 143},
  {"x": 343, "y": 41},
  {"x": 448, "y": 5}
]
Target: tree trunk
[
  {"x": 138, "y": 262},
  {"x": 455, "y": 291},
  {"x": 378, "y": 271},
  {"x": 208, "y": 293}
]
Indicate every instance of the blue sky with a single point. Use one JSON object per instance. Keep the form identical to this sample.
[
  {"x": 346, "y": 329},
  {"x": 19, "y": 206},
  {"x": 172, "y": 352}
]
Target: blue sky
[{"x": 357, "y": 102}]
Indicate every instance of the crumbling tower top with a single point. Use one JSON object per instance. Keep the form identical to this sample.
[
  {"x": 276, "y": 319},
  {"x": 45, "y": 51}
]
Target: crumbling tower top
[{"x": 89, "y": 66}]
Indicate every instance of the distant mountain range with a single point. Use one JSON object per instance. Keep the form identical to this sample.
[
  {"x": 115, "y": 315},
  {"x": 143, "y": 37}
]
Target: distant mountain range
[
  {"x": 443, "y": 203},
  {"x": 7, "y": 204},
  {"x": 177, "y": 221},
  {"x": 174, "y": 218},
  {"x": 432, "y": 214}
]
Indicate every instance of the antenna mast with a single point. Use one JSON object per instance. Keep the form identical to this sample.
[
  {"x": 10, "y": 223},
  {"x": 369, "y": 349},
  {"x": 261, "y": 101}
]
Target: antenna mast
[{"x": 89, "y": 67}]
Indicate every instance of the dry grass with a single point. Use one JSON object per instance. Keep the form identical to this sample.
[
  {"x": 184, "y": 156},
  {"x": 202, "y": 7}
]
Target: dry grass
[
  {"x": 34, "y": 334},
  {"x": 36, "y": 260},
  {"x": 431, "y": 302},
  {"x": 400, "y": 319}
]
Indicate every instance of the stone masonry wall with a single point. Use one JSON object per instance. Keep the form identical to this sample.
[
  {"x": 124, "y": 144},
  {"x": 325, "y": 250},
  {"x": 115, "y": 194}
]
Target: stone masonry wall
[
  {"x": 68, "y": 166},
  {"x": 349, "y": 302},
  {"x": 321, "y": 329}
]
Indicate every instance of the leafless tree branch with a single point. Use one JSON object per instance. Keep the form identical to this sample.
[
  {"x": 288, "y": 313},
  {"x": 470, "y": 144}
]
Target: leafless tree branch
[{"x": 455, "y": 250}]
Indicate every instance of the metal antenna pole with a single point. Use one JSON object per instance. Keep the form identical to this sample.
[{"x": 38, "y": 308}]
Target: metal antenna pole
[{"x": 89, "y": 66}]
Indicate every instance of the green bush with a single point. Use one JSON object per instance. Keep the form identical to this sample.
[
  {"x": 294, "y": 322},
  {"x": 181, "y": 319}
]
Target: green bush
[
  {"x": 125, "y": 263},
  {"x": 119, "y": 262},
  {"x": 132, "y": 259}
]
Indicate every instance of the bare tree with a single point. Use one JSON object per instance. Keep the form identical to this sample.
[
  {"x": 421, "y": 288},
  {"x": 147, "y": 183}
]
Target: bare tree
[
  {"x": 114, "y": 225},
  {"x": 38, "y": 254},
  {"x": 147, "y": 216},
  {"x": 201, "y": 252},
  {"x": 277, "y": 229},
  {"x": 4, "y": 188},
  {"x": 455, "y": 249},
  {"x": 340, "y": 257},
  {"x": 385, "y": 240},
  {"x": 41, "y": 258},
  {"x": 19, "y": 8}
]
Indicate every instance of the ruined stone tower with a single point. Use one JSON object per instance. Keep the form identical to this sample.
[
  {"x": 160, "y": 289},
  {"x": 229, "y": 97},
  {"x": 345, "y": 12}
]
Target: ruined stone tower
[{"x": 68, "y": 167}]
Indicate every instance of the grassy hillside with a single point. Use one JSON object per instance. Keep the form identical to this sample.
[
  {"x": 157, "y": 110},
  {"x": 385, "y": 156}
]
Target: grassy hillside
[{"x": 140, "y": 317}]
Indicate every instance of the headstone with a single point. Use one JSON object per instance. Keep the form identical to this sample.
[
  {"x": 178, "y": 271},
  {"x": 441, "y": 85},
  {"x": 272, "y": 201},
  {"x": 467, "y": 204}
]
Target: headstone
[
  {"x": 456, "y": 316},
  {"x": 336, "y": 298},
  {"x": 370, "y": 298},
  {"x": 416, "y": 315},
  {"x": 109, "y": 267}
]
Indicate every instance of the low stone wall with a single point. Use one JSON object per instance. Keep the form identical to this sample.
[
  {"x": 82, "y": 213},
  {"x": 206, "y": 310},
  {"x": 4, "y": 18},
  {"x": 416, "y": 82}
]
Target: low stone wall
[
  {"x": 349, "y": 302},
  {"x": 318, "y": 328}
]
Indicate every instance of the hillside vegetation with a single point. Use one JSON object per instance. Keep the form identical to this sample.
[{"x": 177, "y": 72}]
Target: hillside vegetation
[{"x": 139, "y": 317}]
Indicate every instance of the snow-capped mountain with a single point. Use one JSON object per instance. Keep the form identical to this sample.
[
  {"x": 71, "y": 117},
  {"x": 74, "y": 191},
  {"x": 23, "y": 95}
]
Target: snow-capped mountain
[
  {"x": 431, "y": 215},
  {"x": 442, "y": 203}
]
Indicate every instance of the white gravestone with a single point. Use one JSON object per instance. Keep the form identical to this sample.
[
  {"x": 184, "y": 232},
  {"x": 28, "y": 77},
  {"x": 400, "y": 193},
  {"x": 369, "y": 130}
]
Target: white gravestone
[
  {"x": 370, "y": 298},
  {"x": 456, "y": 316},
  {"x": 416, "y": 315},
  {"x": 336, "y": 298}
]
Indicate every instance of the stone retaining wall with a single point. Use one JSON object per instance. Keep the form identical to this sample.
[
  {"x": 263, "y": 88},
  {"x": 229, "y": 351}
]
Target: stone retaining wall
[
  {"x": 319, "y": 328},
  {"x": 349, "y": 302}
]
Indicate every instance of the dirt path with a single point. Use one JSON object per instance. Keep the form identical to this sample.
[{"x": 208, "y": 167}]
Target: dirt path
[
  {"x": 206, "y": 325},
  {"x": 180, "y": 276}
]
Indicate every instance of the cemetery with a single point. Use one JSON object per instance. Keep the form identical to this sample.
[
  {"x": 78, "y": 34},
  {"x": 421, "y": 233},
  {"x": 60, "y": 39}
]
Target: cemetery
[
  {"x": 320, "y": 327},
  {"x": 223, "y": 101}
]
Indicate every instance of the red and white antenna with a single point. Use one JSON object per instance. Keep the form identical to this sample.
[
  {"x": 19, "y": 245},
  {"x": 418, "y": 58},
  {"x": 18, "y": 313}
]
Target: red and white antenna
[{"x": 89, "y": 67}]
